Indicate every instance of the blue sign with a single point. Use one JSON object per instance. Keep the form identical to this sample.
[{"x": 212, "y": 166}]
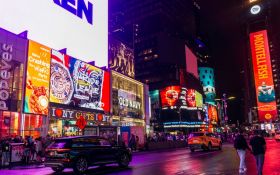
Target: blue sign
[{"x": 78, "y": 8}]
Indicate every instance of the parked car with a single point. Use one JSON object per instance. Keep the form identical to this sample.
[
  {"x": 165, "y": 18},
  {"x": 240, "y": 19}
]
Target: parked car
[
  {"x": 277, "y": 136},
  {"x": 204, "y": 140},
  {"x": 80, "y": 152}
]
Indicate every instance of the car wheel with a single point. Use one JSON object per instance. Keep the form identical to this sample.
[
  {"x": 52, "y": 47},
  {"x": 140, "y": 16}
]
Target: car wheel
[
  {"x": 57, "y": 169},
  {"x": 80, "y": 165},
  {"x": 192, "y": 150},
  {"x": 209, "y": 147},
  {"x": 220, "y": 146},
  {"x": 123, "y": 160}
]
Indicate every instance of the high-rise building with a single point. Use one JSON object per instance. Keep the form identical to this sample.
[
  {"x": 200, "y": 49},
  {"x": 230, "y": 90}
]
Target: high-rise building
[{"x": 261, "y": 68}]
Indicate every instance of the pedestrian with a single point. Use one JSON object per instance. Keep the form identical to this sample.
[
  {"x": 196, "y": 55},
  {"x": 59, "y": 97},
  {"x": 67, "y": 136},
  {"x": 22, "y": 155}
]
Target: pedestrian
[
  {"x": 132, "y": 142},
  {"x": 5, "y": 152},
  {"x": 240, "y": 144},
  {"x": 258, "y": 145}
]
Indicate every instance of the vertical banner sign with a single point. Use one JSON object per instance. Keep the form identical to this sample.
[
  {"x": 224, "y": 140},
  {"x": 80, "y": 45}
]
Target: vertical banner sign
[
  {"x": 263, "y": 76},
  {"x": 37, "y": 79}
]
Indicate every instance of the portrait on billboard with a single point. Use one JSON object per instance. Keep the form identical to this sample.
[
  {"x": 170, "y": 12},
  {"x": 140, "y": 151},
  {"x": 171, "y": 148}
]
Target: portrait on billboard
[
  {"x": 170, "y": 96},
  {"x": 191, "y": 99},
  {"x": 76, "y": 83},
  {"x": 121, "y": 58},
  {"x": 266, "y": 93}
]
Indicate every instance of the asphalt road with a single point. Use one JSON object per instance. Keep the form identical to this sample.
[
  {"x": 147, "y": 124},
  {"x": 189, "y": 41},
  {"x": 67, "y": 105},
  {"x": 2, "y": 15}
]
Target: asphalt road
[{"x": 176, "y": 162}]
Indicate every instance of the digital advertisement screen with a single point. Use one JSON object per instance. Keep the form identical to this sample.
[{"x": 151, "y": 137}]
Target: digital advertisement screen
[
  {"x": 13, "y": 51},
  {"x": 207, "y": 78},
  {"x": 264, "y": 85},
  {"x": 170, "y": 96},
  {"x": 81, "y": 26},
  {"x": 128, "y": 96},
  {"x": 37, "y": 79},
  {"x": 191, "y": 62},
  {"x": 191, "y": 100},
  {"x": 121, "y": 58},
  {"x": 76, "y": 83},
  {"x": 198, "y": 99},
  {"x": 212, "y": 114}
]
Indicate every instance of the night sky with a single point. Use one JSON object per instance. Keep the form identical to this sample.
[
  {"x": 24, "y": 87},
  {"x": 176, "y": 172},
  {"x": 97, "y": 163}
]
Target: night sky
[{"x": 222, "y": 30}]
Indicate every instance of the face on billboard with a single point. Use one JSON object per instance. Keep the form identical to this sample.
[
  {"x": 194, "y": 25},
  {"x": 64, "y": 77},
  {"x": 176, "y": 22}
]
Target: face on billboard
[
  {"x": 170, "y": 96},
  {"x": 77, "y": 83},
  {"x": 263, "y": 76},
  {"x": 12, "y": 58},
  {"x": 127, "y": 97},
  {"x": 212, "y": 114},
  {"x": 83, "y": 22},
  {"x": 121, "y": 58},
  {"x": 37, "y": 79}
]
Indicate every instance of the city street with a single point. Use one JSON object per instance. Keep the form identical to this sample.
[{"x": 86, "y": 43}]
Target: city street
[{"x": 177, "y": 162}]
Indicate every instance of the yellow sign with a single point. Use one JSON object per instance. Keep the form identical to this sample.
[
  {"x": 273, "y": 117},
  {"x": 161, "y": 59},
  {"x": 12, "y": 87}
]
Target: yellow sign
[{"x": 37, "y": 79}]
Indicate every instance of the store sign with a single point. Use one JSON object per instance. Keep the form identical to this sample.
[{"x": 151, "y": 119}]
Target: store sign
[
  {"x": 69, "y": 114},
  {"x": 51, "y": 21},
  {"x": 121, "y": 58},
  {"x": 12, "y": 51},
  {"x": 128, "y": 98},
  {"x": 76, "y": 83},
  {"x": 37, "y": 79},
  {"x": 263, "y": 76}
]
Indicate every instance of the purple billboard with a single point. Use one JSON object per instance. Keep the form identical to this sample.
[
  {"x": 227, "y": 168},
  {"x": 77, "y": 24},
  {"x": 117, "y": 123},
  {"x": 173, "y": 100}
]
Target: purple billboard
[{"x": 12, "y": 58}]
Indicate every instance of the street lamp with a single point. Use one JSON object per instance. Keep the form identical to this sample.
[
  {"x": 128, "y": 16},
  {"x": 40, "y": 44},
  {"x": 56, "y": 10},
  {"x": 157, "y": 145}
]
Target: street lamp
[{"x": 224, "y": 100}]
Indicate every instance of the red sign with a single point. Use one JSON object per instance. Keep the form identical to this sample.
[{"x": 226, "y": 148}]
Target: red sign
[
  {"x": 191, "y": 98},
  {"x": 263, "y": 76},
  {"x": 81, "y": 122},
  {"x": 170, "y": 96}
]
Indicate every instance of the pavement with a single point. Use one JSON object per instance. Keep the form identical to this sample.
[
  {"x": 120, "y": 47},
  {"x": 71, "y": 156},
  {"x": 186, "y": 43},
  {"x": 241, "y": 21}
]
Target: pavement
[{"x": 175, "y": 162}]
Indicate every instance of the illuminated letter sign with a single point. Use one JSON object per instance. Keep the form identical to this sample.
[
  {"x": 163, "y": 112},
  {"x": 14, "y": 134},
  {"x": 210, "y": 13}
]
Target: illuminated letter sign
[
  {"x": 263, "y": 76},
  {"x": 77, "y": 8}
]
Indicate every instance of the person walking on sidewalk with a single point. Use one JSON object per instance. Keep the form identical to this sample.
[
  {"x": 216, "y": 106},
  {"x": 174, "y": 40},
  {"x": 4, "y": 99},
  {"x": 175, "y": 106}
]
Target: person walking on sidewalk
[
  {"x": 240, "y": 144},
  {"x": 258, "y": 145}
]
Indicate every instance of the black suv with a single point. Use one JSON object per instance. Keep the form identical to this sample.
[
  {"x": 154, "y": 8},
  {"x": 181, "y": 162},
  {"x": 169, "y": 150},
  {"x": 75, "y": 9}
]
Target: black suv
[{"x": 80, "y": 152}]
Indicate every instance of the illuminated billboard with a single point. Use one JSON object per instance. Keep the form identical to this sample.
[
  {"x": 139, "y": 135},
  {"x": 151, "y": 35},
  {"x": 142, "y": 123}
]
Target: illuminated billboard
[
  {"x": 37, "y": 79},
  {"x": 76, "y": 83},
  {"x": 191, "y": 102},
  {"x": 12, "y": 58},
  {"x": 207, "y": 79},
  {"x": 81, "y": 26},
  {"x": 263, "y": 76},
  {"x": 128, "y": 96},
  {"x": 212, "y": 114},
  {"x": 121, "y": 58},
  {"x": 170, "y": 96},
  {"x": 198, "y": 99}
]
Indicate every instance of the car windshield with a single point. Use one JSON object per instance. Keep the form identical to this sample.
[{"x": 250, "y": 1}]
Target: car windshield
[
  {"x": 60, "y": 144},
  {"x": 196, "y": 134}
]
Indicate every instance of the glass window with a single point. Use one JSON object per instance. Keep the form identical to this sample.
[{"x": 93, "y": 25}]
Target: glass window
[{"x": 60, "y": 144}]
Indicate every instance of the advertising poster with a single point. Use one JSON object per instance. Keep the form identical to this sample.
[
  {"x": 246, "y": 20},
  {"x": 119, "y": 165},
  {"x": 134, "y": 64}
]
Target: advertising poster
[
  {"x": 191, "y": 99},
  {"x": 138, "y": 131},
  {"x": 76, "y": 83},
  {"x": 12, "y": 58},
  {"x": 212, "y": 114},
  {"x": 169, "y": 96},
  {"x": 121, "y": 58},
  {"x": 37, "y": 79},
  {"x": 128, "y": 98},
  {"x": 264, "y": 85},
  {"x": 198, "y": 99}
]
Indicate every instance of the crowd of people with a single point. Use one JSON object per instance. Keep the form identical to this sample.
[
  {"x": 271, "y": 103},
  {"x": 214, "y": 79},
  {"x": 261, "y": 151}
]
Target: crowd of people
[{"x": 33, "y": 149}]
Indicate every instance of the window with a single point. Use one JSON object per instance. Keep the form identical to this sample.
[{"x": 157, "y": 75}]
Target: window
[
  {"x": 203, "y": 76},
  {"x": 206, "y": 71},
  {"x": 208, "y": 82},
  {"x": 85, "y": 142},
  {"x": 104, "y": 142}
]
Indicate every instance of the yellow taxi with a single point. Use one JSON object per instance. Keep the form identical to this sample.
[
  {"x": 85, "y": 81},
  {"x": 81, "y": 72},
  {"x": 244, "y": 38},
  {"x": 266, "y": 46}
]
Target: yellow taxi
[
  {"x": 277, "y": 136},
  {"x": 204, "y": 140}
]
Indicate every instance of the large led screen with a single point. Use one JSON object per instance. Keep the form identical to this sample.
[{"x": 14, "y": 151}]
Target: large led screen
[
  {"x": 81, "y": 26},
  {"x": 191, "y": 100},
  {"x": 263, "y": 76},
  {"x": 198, "y": 99},
  {"x": 37, "y": 79},
  {"x": 76, "y": 83},
  {"x": 170, "y": 96},
  {"x": 13, "y": 51},
  {"x": 128, "y": 96},
  {"x": 121, "y": 58}
]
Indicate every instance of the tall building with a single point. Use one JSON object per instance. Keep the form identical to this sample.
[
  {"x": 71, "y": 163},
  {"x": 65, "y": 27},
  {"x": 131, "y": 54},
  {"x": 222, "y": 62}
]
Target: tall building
[{"x": 261, "y": 69}]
